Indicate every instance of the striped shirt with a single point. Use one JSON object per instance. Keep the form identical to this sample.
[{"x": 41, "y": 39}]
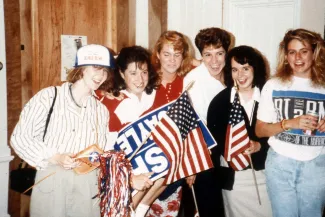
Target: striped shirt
[{"x": 69, "y": 131}]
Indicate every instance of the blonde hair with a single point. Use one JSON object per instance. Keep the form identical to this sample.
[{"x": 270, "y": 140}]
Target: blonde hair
[
  {"x": 179, "y": 43},
  {"x": 284, "y": 71}
]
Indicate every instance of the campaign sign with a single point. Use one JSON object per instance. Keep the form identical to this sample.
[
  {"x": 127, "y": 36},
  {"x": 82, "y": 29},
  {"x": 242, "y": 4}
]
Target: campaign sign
[{"x": 149, "y": 157}]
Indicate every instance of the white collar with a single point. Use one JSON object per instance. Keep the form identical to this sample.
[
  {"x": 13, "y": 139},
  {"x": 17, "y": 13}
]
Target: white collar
[{"x": 256, "y": 95}]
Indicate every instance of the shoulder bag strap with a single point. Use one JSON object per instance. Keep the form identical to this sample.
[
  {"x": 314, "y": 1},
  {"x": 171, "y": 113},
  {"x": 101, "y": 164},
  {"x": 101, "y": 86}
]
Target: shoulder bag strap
[{"x": 50, "y": 113}]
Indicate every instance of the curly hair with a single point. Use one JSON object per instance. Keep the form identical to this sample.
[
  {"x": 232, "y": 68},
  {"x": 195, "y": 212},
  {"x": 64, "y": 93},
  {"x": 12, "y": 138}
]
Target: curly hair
[
  {"x": 242, "y": 55},
  {"x": 76, "y": 74},
  {"x": 284, "y": 71},
  {"x": 140, "y": 56},
  {"x": 212, "y": 36},
  {"x": 179, "y": 43}
]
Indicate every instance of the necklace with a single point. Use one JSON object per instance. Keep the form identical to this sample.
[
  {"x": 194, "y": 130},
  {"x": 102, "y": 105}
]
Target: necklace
[{"x": 73, "y": 97}]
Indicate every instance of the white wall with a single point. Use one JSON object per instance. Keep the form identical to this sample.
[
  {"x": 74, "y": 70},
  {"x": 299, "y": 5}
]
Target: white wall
[
  {"x": 261, "y": 23},
  {"x": 258, "y": 23},
  {"x": 313, "y": 15},
  {"x": 189, "y": 16}
]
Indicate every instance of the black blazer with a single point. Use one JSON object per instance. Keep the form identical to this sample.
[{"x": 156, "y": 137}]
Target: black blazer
[{"x": 217, "y": 121}]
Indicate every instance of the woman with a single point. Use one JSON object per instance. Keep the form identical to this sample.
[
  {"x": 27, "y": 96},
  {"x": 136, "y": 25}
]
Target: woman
[
  {"x": 291, "y": 113},
  {"x": 171, "y": 57},
  {"x": 213, "y": 44},
  {"x": 133, "y": 93},
  {"x": 134, "y": 86},
  {"x": 72, "y": 128},
  {"x": 244, "y": 67}
]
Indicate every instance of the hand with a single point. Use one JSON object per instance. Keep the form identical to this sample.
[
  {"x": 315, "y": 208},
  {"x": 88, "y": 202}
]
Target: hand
[
  {"x": 321, "y": 125},
  {"x": 111, "y": 96},
  {"x": 253, "y": 147},
  {"x": 304, "y": 122},
  {"x": 141, "y": 182},
  {"x": 66, "y": 161},
  {"x": 190, "y": 180}
]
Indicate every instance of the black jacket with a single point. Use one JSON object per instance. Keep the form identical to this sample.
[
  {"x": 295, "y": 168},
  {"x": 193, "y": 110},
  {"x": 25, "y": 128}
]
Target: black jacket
[{"x": 217, "y": 121}]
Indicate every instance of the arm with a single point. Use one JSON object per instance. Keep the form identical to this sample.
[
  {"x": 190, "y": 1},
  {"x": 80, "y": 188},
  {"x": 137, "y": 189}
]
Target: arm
[
  {"x": 264, "y": 129},
  {"x": 304, "y": 122},
  {"x": 27, "y": 136}
]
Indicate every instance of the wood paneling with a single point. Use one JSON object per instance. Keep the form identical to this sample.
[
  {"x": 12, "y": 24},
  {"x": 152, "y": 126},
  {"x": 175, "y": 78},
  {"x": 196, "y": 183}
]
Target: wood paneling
[
  {"x": 124, "y": 24},
  {"x": 38, "y": 26},
  {"x": 121, "y": 24},
  {"x": 52, "y": 18},
  {"x": 14, "y": 84},
  {"x": 26, "y": 52},
  {"x": 157, "y": 20}
]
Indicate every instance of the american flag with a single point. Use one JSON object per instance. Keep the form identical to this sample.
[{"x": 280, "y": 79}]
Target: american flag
[
  {"x": 237, "y": 140},
  {"x": 179, "y": 135}
]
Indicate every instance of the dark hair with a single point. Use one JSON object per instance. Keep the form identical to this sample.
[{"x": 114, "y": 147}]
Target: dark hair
[
  {"x": 284, "y": 71},
  {"x": 212, "y": 36},
  {"x": 140, "y": 56},
  {"x": 242, "y": 55}
]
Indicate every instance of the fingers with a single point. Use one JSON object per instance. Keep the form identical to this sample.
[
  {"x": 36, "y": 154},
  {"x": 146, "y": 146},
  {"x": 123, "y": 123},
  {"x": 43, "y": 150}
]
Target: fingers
[
  {"x": 190, "y": 180},
  {"x": 148, "y": 174},
  {"x": 68, "y": 162},
  {"x": 321, "y": 126},
  {"x": 142, "y": 182},
  {"x": 254, "y": 147},
  {"x": 308, "y": 122}
]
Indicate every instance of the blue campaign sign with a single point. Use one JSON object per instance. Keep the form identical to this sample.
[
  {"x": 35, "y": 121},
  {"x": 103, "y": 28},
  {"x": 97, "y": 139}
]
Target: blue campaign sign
[{"x": 149, "y": 157}]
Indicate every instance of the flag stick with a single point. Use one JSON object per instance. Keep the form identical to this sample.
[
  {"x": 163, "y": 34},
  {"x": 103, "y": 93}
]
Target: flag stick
[
  {"x": 38, "y": 182},
  {"x": 189, "y": 86},
  {"x": 255, "y": 182},
  {"x": 194, "y": 198},
  {"x": 250, "y": 158}
]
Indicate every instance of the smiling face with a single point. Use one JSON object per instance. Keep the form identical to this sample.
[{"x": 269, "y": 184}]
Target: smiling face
[
  {"x": 300, "y": 58},
  {"x": 214, "y": 60},
  {"x": 136, "y": 78},
  {"x": 93, "y": 77},
  {"x": 170, "y": 59},
  {"x": 243, "y": 75}
]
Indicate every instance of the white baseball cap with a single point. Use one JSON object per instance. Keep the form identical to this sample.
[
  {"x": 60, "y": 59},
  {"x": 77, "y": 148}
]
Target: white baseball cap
[{"x": 94, "y": 54}]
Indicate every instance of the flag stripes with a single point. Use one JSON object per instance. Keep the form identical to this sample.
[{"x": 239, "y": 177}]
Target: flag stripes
[
  {"x": 179, "y": 135},
  {"x": 237, "y": 140}
]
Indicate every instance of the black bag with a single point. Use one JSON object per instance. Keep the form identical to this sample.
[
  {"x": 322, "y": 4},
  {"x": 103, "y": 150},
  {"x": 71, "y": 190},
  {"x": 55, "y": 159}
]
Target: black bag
[{"x": 24, "y": 177}]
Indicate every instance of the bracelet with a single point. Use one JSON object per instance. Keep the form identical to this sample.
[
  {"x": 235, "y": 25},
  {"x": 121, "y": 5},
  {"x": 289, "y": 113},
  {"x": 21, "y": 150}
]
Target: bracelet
[{"x": 282, "y": 125}]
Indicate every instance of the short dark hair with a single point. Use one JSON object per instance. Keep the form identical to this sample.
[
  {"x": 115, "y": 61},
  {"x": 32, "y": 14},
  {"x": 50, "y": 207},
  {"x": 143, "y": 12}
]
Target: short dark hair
[
  {"x": 212, "y": 36},
  {"x": 140, "y": 56},
  {"x": 242, "y": 55}
]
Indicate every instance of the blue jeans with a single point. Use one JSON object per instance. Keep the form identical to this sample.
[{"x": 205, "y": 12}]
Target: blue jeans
[{"x": 296, "y": 188}]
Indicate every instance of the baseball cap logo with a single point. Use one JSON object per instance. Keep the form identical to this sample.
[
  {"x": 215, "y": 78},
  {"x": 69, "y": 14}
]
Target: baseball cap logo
[{"x": 94, "y": 54}]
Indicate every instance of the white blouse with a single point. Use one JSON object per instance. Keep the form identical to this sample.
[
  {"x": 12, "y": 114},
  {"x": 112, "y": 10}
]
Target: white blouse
[
  {"x": 203, "y": 90},
  {"x": 247, "y": 105},
  {"x": 131, "y": 108}
]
